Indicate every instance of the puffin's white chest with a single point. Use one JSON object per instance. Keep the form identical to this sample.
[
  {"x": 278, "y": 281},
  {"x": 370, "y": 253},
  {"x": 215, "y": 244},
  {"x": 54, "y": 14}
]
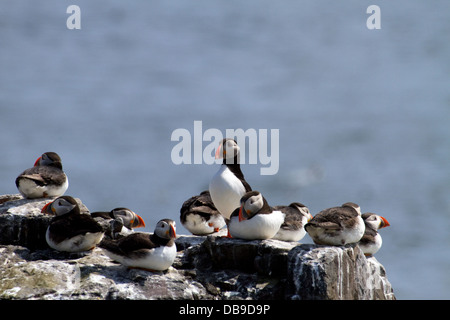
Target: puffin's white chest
[
  {"x": 372, "y": 248},
  {"x": 159, "y": 259},
  {"x": 198, "y": 226},
  {"x": 290, "y": 235},
  {"x": 261, "y": 226},
  {"x": 226, "y": 191},
  {"x": 79, "y": 243}
]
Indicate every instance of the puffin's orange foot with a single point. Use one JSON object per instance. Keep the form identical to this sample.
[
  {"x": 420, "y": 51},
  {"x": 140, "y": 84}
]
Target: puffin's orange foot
[{"x": 228, "y": 235}]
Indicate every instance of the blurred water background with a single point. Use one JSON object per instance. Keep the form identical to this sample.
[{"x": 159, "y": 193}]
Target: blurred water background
[{"x": 362, "y": 114}]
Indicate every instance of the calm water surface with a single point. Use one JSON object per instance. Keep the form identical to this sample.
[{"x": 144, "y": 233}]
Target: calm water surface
[{"x": 362, "y": 114}]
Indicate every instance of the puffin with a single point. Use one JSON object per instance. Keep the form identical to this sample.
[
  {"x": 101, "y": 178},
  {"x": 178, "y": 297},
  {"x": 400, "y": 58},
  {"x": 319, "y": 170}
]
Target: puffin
[
  {"x": 337, "y": 226},
  {"x": 199, "y": 215},
  {"x": 228, "y": 185},
  {"x": 151, "y": 252},
  {"x": 254, "y": 219},
  {"x": 371, "y": 241},
  {"x": 70, "y": 230},
  {"x": 46, "y": 179},
  {"x": 296, "y": 216},
  {"x": 119, "y": 221}
]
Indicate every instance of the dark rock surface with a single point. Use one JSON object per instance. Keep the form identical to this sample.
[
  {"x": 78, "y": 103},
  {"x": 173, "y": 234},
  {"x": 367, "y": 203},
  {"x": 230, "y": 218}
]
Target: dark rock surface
[{"x": 205, "y": 268}]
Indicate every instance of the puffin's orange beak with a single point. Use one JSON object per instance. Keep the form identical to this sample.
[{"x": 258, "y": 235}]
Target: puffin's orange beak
[
  {"x": 385, "y": 223},
  {"x": 241, "y": 216},
  {"x": 172, "y": 232},
  {"x": 36, "y": 163},
  {"x": 141, "y": 222},
  {"x": 218, "y": 152},
  {"x": 45, "y": 208}
]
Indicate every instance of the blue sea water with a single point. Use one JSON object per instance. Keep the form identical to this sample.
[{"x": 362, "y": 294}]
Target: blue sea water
[{"x": 362, "y": 114}]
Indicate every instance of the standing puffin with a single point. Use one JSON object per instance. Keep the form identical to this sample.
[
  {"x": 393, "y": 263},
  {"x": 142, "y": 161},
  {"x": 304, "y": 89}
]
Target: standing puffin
[
  {"x": 292, "y": 229},
  {"x": 45, "y": 179},
  {"x": 199, "y": 215},
  {"x": 228, "y": 185},
  {"x": 337, "y": 226},
  {"x": 118, "y": 221},
  {"x": 152, "y": 252},
  {"x": 371, "y": 241},
  {"x": 254, "y": 219},
  {"x": 70, "y": 230}
]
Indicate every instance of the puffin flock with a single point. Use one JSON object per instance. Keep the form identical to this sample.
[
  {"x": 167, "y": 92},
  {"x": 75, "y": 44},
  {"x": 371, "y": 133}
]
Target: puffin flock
[{"x": 229, "y": 203}]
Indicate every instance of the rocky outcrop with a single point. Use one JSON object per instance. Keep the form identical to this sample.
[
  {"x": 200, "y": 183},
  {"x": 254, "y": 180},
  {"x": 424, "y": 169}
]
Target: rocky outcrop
[
  {"x": 336, "y": 273},
  {"x": 22, "y": 223},
  {"x": 207, "y": 268}
]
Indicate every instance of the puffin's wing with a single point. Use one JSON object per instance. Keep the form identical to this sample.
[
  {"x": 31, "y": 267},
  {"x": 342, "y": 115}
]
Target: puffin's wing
[
  {"x": 131, "y": 243},
  {"x": 52, "y": 174},
  {"x": 204, "y": 209},
  {"x": 102, "y": 214},
  {"x": 292, "y": 221},
  {"x": 369, "y": 236},
  {"x": 43, "y": 175},
  {"x": 73, "y": 226},
  {"x": 35, "y": 177},
  {"x": 326, "y": 225}
]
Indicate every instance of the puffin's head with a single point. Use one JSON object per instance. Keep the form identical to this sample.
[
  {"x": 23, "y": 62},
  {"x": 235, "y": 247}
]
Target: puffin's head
[
  {"x": 375, "y": 221},
  {"x": 165, "y": 229},
  {"x": 303, "y": 210},
  {"x": 49, "y": 159},
  {"x": 352, "y": 205},
  {"x": 227, "y": 150},
  {"x": 61, "y": 205},
  {"x": 251, "y": 203},
  {"x": 129, "y": 219}
]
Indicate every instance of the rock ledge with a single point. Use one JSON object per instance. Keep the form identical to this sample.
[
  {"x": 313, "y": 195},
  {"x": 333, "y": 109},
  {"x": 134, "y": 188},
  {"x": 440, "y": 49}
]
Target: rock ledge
[{"x": 206, "y": 268}]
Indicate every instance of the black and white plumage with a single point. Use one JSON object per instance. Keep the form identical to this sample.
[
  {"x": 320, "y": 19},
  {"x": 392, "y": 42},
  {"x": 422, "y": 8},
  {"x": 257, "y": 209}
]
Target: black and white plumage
[
  {"x": 153, "y": 252},
  {"x": 296, "y": 216},
  {"x": 71, "y": 230},
  {"x": 119, "y": 221},
  {"x": 45, "y": 179},
  {"x": 371, "y": 241},
  {"x": 228, "y": 185},
  {"x": 199, "y": 215},
  {"x": 337, "y": 226},
  {"x": 254, "y": 219}
]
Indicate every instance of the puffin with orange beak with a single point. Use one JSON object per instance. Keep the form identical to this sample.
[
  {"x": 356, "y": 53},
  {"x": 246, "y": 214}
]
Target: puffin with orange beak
[
  {"x": 337, "y": 226},
  {"x": 119, "y": 221},
  {"x": 70, "y": 230},
  {"x": 151, "y": 252},
  {"x": 228, "y": 185},
  {"x": 371, "y": 241},
  {"x": 46, "y": 179},
  {"x": 199, "y": 215},
  {"x": 254, "y": 219}
]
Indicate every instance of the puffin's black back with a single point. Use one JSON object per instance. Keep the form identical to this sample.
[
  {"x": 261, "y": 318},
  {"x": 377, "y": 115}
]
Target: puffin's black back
[
  {"x": 70, "y": 225},
  {"x": 42, "y": 175}
]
